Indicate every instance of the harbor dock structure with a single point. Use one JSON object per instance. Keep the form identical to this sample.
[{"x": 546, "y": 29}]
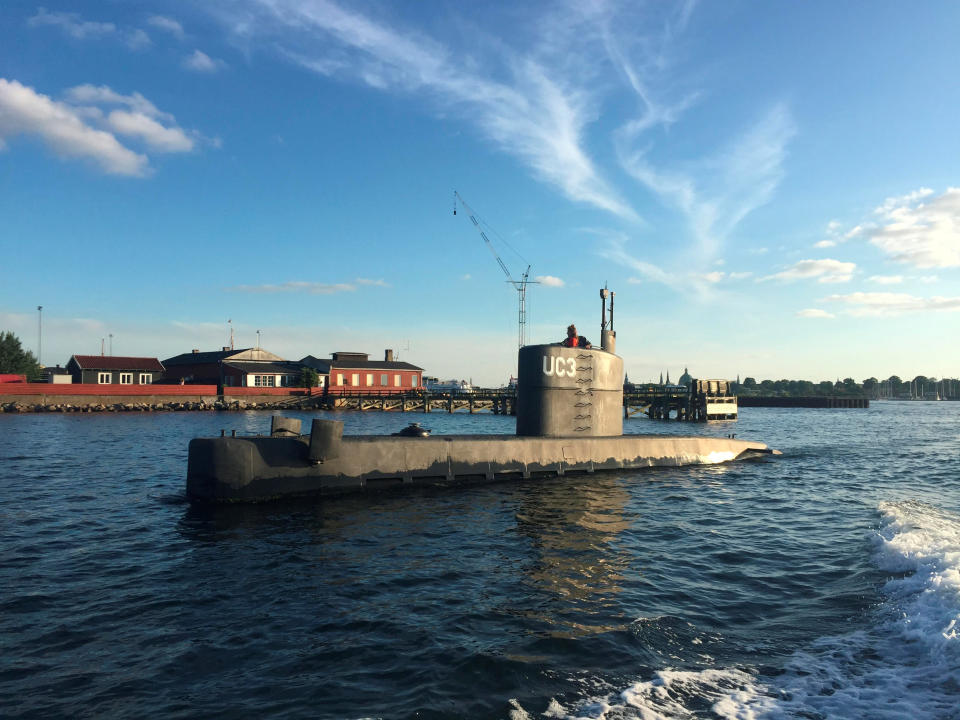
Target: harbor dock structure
[
  {"x": 703, "y": 400},
  {"x": 709, "y": 400}
]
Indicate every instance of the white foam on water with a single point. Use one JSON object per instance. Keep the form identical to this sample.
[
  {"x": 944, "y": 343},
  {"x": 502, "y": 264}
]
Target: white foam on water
[{"x": 905, "y": 664}]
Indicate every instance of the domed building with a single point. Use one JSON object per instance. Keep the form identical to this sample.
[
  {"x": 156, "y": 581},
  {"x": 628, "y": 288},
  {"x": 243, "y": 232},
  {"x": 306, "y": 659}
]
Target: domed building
[{"x": 685, "y": 379}]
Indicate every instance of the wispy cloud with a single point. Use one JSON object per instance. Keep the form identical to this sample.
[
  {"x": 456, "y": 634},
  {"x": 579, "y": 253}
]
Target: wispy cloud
[
  {"x": 534, "y": 105},
  {"x": 886, "y": 279},
  {"x": 824, "y": 271},
  {"x": 890, "y": 304},
  {"x": 199, "y": 61},
  {"x": 72, "y": 24},
  {"x": 167, "y": 24},
  {"x": 550, "y": 281},
  {"x": 310, "y": 288},
  {"x": 138, "y": 39},
  {"x": 815, "y": 313},
  {"x": 613, "y": 248},
  {"x": 919, "y": 230},
  {"x": 297, "y": 286}
]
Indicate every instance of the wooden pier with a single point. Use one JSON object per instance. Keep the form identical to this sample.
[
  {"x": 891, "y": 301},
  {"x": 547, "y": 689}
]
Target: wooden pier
[
  {"x": 707, "y": 400},
  {"x": 710, "y": 403}
]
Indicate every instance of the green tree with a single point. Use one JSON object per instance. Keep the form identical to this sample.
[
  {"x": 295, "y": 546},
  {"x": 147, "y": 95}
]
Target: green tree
[
  {"x": 15, "y": 360},
  {"x": 749, "y": 382},
  {"x": 309, "y": 377},
  {"x": 850, "y": 387}
]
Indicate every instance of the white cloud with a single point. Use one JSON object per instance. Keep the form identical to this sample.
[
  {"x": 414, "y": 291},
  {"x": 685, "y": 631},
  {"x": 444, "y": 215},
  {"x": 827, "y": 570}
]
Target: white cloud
[
  {"x": 25, "y": 111},
  {"x": 158, "y": 137},
  {"x": 103, "y": 95},
  {"x": 635, "y": 281},
  {"x": 714, "y": 277},
  {"x": 71, "y": 24},
  {"x": 814, "y": 313},
  {"x": 886, "y": 279},
  {"x": 467, "y": 276},
  {"x": 85, "y": 126},
  {"x": 825, "y": 244},
  {"x": 549, "y": 281},
  {"x": 201, "y": 62},
  {"x": 298, "y": 286},
  {"x": 892, "y": 203},
  {"x": 922, "y": 234},
  {"x": 888, "y": 304},
  {"x": 167, "y": 25},
  {"x": 928, "y": 279},
  {"x": 825, "y": 271},
  {"x": 137, "y": 39},
  {"x": 740, "y": 275},
  {"x": 310, "y": 288}
]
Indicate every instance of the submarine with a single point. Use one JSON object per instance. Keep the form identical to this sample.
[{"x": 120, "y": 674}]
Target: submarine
[{"x": 569, "y": 411}]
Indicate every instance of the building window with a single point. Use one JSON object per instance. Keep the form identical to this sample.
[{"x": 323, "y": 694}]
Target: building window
[
  {"x": 339, "y": 378},
  {"x": 104, "y": 378},
  {"x": 355, "y": 379},
  {"x": 126, "y": 378},
  {"x": 264, "y": 380},
  {"x": 413, "y": 381},
  {"x": 384, "y": 381},
  {"x": 369, "y": 379},
  {"x": 396, "y": 380},
  {"x": 146, "y": 378}
]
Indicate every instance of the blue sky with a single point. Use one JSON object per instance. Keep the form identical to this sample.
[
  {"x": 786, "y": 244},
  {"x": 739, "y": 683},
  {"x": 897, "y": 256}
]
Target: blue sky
[{"x": 770, "y": 188}]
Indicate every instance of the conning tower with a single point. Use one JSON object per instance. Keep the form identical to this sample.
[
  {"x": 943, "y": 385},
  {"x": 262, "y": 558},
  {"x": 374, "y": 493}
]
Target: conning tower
[{"x": 572, "y": 391}]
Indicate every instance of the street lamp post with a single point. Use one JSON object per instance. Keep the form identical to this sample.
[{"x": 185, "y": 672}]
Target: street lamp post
[{"x": 40, "y": 335}]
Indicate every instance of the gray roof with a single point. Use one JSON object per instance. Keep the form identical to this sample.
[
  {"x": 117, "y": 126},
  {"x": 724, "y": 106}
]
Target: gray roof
[
  {"x": 329, "y": 365},
  {"x": 192, "y": 358},
  {"x": 372, "y": 365},
  {"x": 270, "y": 368}
]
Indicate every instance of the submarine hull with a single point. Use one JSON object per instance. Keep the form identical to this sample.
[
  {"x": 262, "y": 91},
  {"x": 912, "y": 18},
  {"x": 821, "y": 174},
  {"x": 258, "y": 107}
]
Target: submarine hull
[{"x": 252, "y": 469}]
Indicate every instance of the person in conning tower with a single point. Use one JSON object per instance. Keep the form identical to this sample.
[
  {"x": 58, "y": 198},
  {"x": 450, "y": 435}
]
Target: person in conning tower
[{"x": 574, "y": 340}]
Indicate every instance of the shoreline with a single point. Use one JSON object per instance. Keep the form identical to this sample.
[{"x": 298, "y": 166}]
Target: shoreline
[{"x": 180, "y": 405}]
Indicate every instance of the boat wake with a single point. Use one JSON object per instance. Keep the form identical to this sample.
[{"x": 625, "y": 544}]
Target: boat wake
[{"x": 906, "y": 663}]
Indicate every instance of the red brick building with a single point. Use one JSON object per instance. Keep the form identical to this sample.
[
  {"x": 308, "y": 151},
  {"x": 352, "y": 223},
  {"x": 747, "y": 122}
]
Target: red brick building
[{"x": 352, "y": 373}]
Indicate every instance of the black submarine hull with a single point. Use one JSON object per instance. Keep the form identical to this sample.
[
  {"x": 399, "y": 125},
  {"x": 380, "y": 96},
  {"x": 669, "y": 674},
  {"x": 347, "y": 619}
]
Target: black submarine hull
[{"x": 253, "y": 469}]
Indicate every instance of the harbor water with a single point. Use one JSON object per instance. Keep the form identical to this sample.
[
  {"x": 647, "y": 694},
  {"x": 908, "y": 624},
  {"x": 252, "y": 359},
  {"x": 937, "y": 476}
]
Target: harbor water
[{"x": 824, "y": 583}]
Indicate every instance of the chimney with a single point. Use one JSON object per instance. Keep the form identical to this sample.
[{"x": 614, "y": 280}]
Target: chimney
[
  {"x": 388, "y": 355},
  {"x": 195, "y": 351}
]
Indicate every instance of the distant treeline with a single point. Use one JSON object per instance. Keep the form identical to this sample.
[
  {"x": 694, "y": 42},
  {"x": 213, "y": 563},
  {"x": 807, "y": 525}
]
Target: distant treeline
[{"x": 920, "y": 387}]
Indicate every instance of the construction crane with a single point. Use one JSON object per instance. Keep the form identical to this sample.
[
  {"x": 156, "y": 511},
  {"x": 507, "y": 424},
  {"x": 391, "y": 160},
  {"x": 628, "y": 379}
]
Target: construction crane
[{"x": 519, "y": 285}]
